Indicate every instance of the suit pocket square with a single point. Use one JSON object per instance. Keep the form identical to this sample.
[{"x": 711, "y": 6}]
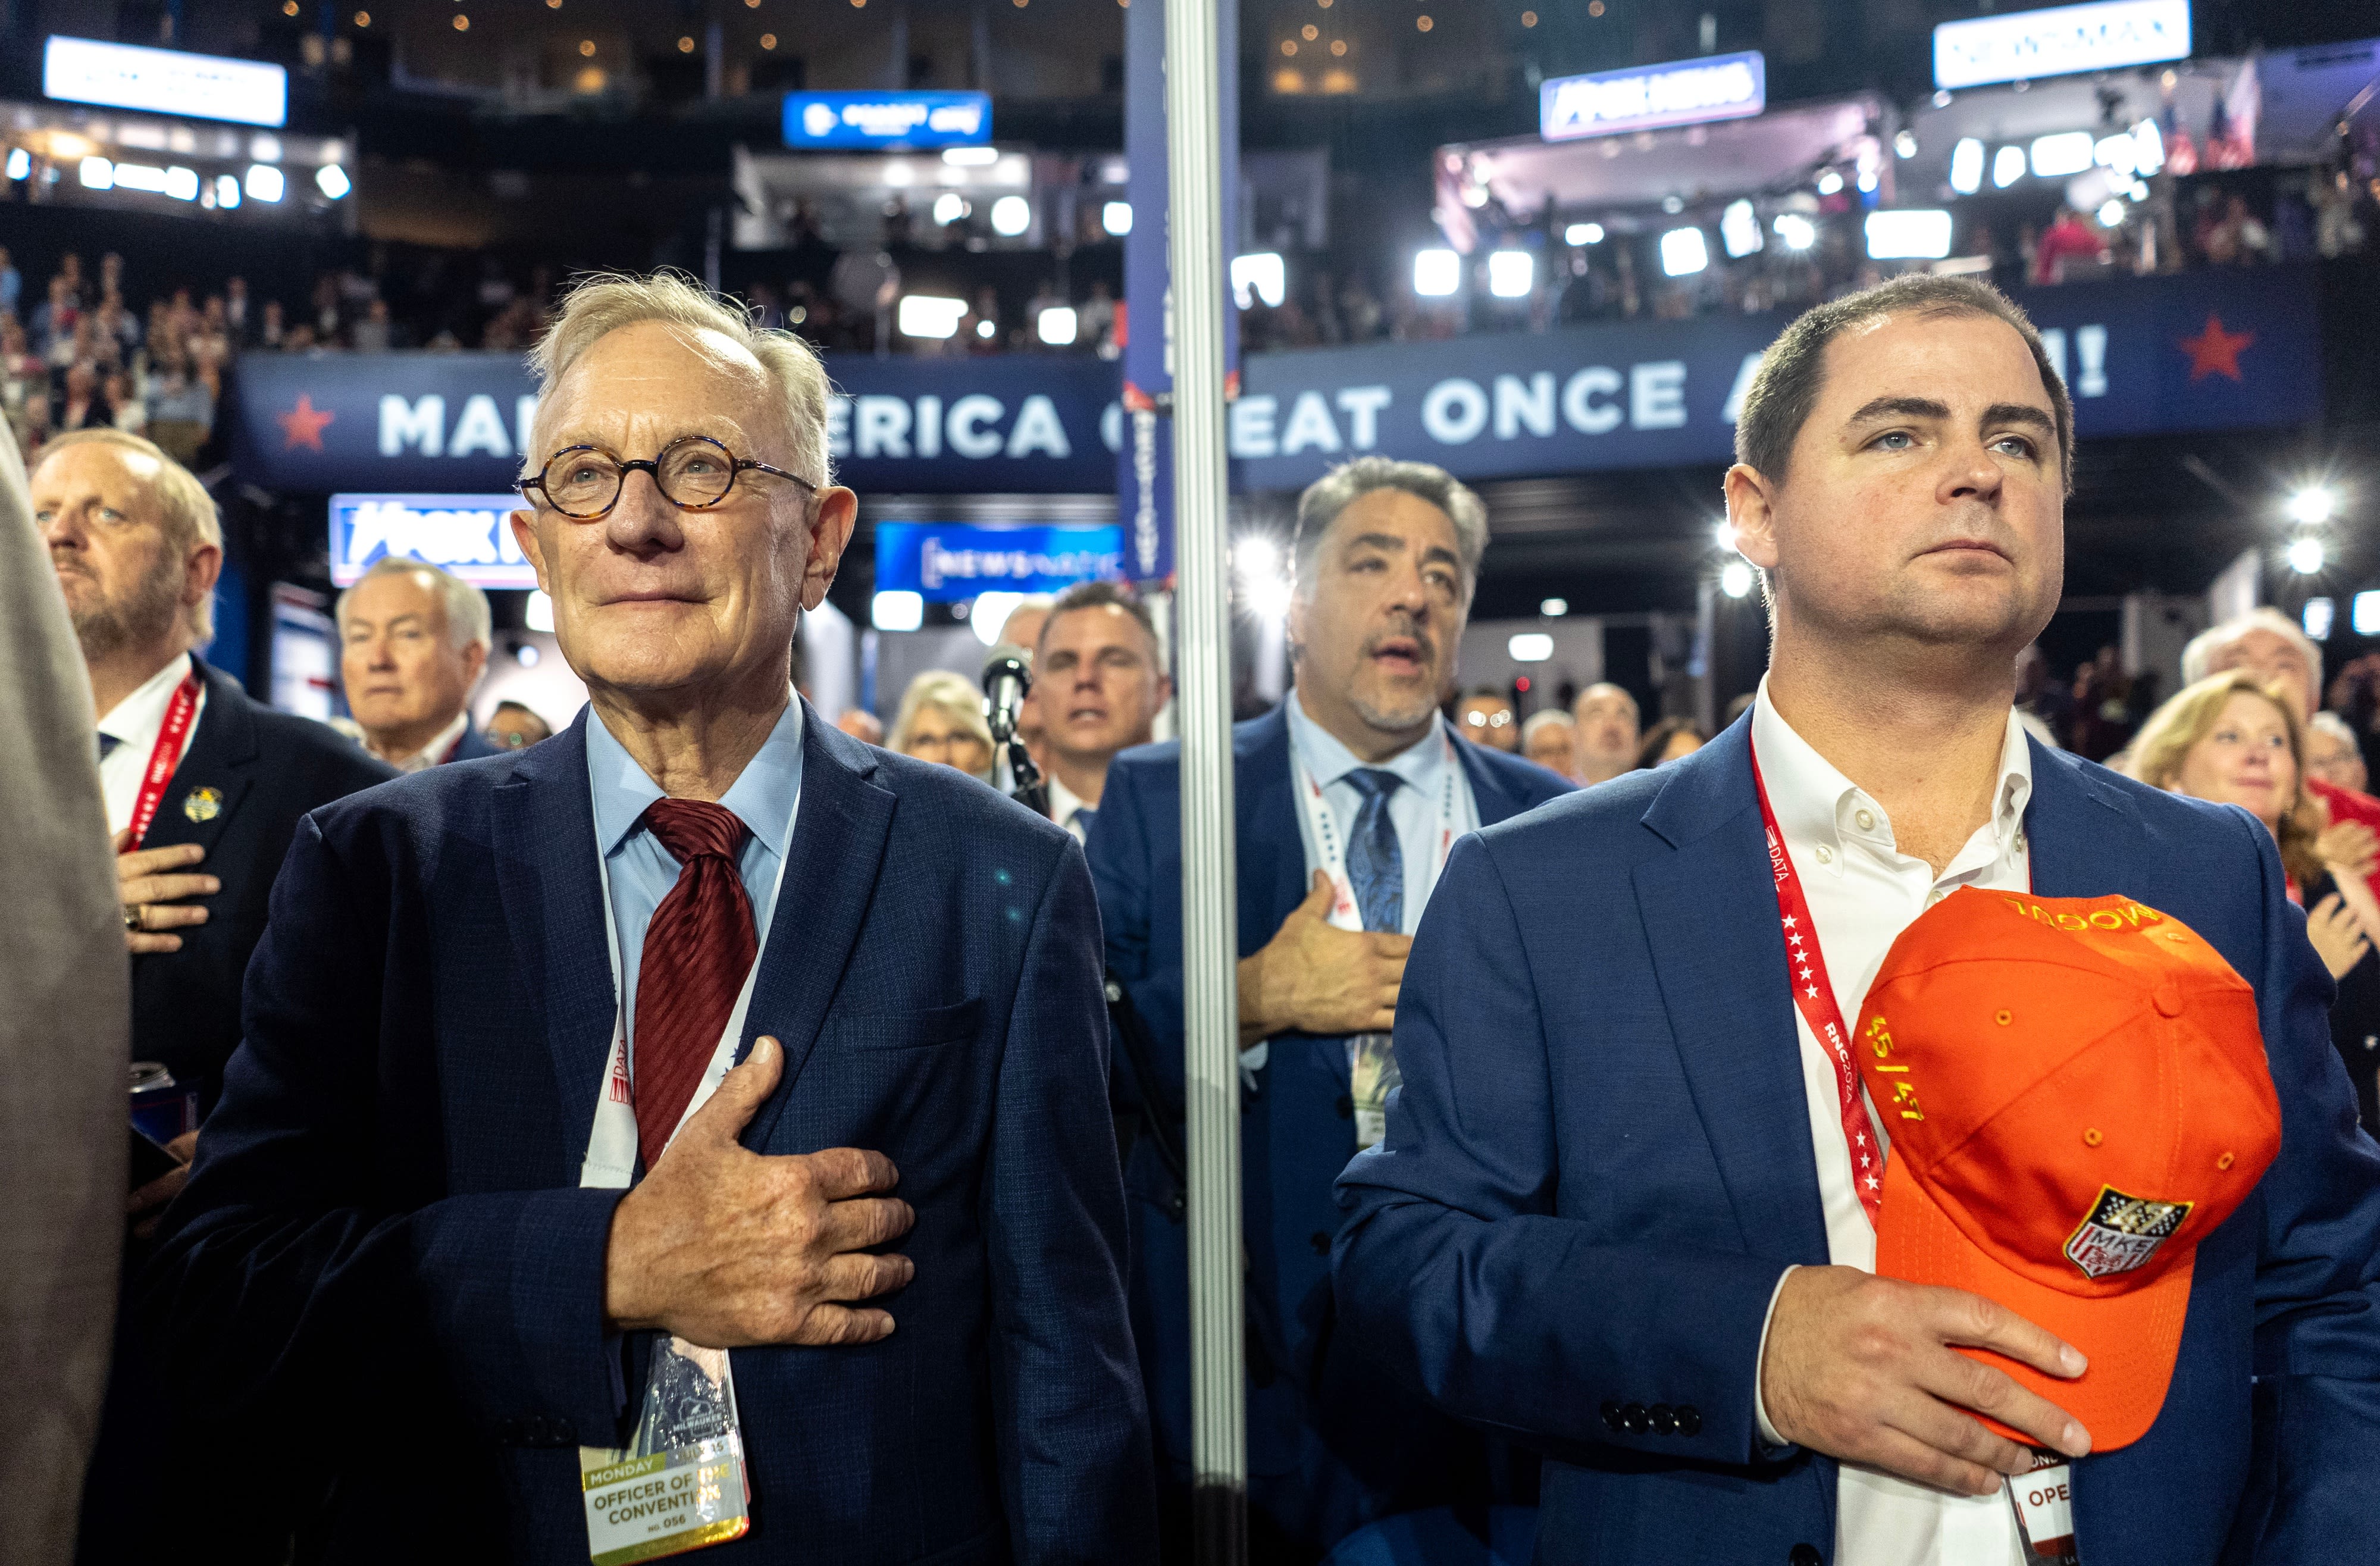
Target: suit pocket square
[{"x": 908, "y": 1030}]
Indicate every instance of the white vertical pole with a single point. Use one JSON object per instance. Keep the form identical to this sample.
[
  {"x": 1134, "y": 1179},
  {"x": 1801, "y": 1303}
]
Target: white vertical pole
[{"x": 1209, "y": 925}]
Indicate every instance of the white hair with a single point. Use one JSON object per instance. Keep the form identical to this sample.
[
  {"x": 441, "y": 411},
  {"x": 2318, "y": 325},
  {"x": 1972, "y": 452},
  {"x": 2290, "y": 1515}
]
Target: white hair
[
  {"x": 1539, "y": 721},
  {"x": 2337, "y": 728},
  {"x": 2200, "y": 653},
  {"x": 601, "y": 303},
  {"x": 1333, "y": 493},
  {"x": 467, "y": 619}
]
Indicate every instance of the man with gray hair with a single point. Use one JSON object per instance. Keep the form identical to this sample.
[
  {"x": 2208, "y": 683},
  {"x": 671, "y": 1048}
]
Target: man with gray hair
[
  {"x": 204, "y": 789},
  {"x": 413, "y": 642},
  {"x": 1349, "y": 797},
  {"x": 551, "y": 1150}
]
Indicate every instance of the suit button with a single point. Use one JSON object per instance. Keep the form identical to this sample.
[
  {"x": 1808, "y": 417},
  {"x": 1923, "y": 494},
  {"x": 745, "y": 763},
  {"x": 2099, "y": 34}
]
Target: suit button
[
  {"x": 1346, "y": 1106},
  {"x": 1321, "y": 1241},
  {"x": 1665, "y": 1419},
  {"x": 1636, "y": 1419},
  {"x": 1612, "y": 1417},
  {"x": 1804, "y": 1555},
  {"x": 1690, "y": 1420}
]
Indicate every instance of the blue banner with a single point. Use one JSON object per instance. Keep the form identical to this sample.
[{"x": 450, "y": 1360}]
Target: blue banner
[
  {"x": 457, "y": 423},
  {"x": 2212, "y": 351},
  {"x": 889, "y": 120},
  {"x": 2209, "y": 351},
  {"x": 946, "y": 562}
]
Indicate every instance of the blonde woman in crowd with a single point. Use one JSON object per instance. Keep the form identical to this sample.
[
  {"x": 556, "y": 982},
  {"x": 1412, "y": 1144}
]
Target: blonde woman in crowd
[
  {"x": 942, "y": 720},
  {"x": 2235, "y": 742}
]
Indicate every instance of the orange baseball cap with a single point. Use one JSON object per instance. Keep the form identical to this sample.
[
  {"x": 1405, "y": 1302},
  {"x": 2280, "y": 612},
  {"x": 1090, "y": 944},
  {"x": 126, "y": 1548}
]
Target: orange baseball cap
[{"x": 2075, "y": 1094}]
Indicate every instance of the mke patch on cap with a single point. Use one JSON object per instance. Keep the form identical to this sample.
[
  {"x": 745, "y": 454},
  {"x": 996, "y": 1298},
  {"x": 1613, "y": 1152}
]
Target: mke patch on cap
[{"x": 2123, "y": 1233}]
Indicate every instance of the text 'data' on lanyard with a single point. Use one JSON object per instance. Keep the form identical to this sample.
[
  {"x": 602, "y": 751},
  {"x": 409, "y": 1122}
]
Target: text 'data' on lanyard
[
  {"x": 1371, "y": 1062},
  {"x": 681, "y": 1483},
  {"x": 172, "y": 738},
  {"x": 1814, "y": 997}
]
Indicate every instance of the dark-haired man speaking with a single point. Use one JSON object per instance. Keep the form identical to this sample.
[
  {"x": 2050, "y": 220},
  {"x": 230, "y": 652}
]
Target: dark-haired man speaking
[{"x": 1623, "y": 1207}]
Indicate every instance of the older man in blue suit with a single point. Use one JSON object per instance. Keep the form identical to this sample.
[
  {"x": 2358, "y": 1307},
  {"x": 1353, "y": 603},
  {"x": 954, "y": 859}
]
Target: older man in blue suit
[
  {"x": 1349, "y": 797},
  {"x": 604, "y": 1105},
  {"x": 1618, "y": 1213}
]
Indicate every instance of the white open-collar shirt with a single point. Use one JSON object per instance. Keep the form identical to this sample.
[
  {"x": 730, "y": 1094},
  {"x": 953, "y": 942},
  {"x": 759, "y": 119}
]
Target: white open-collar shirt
[
  {"x": 1863, "y": 893},
  {"x": 134, "y": 723}
]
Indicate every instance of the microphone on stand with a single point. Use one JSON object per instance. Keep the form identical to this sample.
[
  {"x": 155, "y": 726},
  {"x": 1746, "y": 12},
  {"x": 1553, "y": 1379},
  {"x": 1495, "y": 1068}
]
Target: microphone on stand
[{"x": 1007, "y": 680}]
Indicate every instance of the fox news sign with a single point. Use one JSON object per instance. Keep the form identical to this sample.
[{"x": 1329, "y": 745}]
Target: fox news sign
[
  {"x": 1687, "y": 92},
  {"x": 468, "y": 535}
]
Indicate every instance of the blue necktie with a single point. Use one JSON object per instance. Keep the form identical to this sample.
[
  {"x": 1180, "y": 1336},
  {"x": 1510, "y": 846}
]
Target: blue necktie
[
  {"x": 1375, "y": 860},
  {"x": 107, "y": 744}
]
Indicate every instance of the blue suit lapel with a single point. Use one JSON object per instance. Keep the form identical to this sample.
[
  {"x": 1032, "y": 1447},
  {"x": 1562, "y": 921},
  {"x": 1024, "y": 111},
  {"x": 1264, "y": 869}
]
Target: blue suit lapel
[
  {"x": 1271, "y": 854},
  {"x": 1709, "y": 911},
  {"x": 2079, "y": 837},
  {"x": 831, "y": 866},
  {"x": 553, "y": 898}
]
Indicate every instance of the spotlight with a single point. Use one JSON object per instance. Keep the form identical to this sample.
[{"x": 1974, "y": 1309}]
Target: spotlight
[
  {"x": 1011, "y": 215},
  {"x": 2148, "y": 148},
  {"x": 332, "y": 181},
  {"x": 2363, "y": 614},
  {"x": 1906, "y": 235},
  {"x": 1554, "y": 608},
  {"x": 1723, "y": 535},
  {"x": 1905, "y": 144},
  {"x": 1116, "y": 218},
  {"x": 950, "y": 207},
  {"x": 1510, "y": 274},
  {"x": 1437, "y": 273},
  {"x": 897, "y": 610},
  {"x": 2055, "y": 157},
  {"x": 2007, "y": 167},
  {"x": 2305, "y": 555},
  {"x": 1735, "y": 578},
  {"x": 2110, "y": 213},
  {"x": 1530, "y": 647},
  {"x": 227, "y": 191},
  {"x": 537, "y": 614},
  {"x": 1794, "y": 231},
  {"x": 971, "y": 157},
  {"x": 927, "y": 315},
  {"x": 1582, "y": 234},
  {"x": 1739, "y": 229},
  {"x": 1056, "y": 326},
  {"x": 264, "y": 183},
  {"x": 1259, "y": 275},
  {"x": 1684, "y": 252},
  {"x": 1255, "y": 558},
  {"x": 97, "y": 174},
  {"x": 988, "y": 615},
  {"x": 2313, "y": 505},
  {"x": 2317, "y": 617},
  {"x": 1830, "y": 182},
  {"x": 20, "y": 164},
  {"x": 1967, "y": 166}
]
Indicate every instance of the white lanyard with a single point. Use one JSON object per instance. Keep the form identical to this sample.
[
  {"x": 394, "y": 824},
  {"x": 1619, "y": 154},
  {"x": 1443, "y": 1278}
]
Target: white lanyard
[
  {"x": 1322, "y": 823},
  {"x": 611, "y": 1148}
]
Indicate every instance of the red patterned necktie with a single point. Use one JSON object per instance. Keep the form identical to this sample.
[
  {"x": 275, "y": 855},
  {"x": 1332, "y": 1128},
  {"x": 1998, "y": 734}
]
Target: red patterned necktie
[{"x": 697, "y": 949}]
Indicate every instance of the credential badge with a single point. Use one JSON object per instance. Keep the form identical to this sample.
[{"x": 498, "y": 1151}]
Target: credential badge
[{"x": 2123, "y": 1233}]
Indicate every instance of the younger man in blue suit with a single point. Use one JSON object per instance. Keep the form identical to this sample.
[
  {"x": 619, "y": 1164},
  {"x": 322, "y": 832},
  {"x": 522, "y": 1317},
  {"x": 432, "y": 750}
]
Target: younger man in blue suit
[
  {"x": 1349, "y": 798},
  {"x": 1624, "y": 1208}
]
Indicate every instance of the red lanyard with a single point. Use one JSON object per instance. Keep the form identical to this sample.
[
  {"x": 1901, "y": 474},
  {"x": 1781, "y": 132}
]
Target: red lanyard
[
  {"x": 1813, "y": 996},
  {"x": 166, "y": 756}
]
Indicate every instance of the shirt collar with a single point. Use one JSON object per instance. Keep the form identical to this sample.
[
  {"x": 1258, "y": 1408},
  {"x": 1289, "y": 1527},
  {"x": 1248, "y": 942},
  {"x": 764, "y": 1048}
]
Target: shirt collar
[
  {"x": 1419, "y": 764},
  {"x": 142, "y": 714},
  {"x": 1815, "y": 803},
  {"x": 763, "y": 796},
  {"x": 429, "y": 755},
  {"x": 1064, "y": 801}
]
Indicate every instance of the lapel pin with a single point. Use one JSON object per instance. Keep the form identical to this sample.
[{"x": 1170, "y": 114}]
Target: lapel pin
[{"x": 203, "y": 803}]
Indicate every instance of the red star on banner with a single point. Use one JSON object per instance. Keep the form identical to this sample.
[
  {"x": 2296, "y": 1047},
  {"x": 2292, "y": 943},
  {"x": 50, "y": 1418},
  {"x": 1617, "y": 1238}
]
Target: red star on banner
[
  {"x": 302, "y": 425},
  {"x": 2215, "y": 351}
]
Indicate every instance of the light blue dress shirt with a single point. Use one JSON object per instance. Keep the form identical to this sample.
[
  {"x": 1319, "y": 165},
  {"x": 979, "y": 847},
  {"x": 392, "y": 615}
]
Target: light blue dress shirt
[
  {"x": 1414, "y": 809},
  {"x": 764, "y": 798}
]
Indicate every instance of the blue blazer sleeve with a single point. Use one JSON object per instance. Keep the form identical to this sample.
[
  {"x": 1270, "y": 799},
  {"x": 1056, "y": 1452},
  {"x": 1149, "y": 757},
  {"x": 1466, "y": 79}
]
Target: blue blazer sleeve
[
  {"x": 1144, "y": 946},
  {"x": 290, "y": 1283},
  {"x": 1457, "y": 1271},
  {"x": 2318, "y": 1280},
  {"x": 1074, "y": 1446}
]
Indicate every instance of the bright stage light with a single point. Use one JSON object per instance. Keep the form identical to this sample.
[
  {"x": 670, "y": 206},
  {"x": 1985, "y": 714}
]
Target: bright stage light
[
  {"x": 2313, "y": 505},
  {"x": 2007, "y": 167},
  {"x": 1437, "y": 273},
  {"x": 1735, "y": 578},
  {"x": 1739, "y": 229},
  {"x": 1259, "y": 275},
  {"x": 2305, "y": 556},
  {"x": 897, "y": 610},
  {"x": 1967, "y": 166},
  {"x": 1056, "y": 326},
  {"x": 1011, "y": 215},
  {"x": 2067, "y": 152},
  {"x": 1685, "y": 251},
  {"x": 1582, "y": 234},
  {"x": 929, "y": 315},
  {"x": 332, "y": 181},
  {"x": 1512, "y": 273},
  {"x": 1116, "y": 218},
  {"x": 264, "y": 183},
  {"x": 1794, "y": 231}
]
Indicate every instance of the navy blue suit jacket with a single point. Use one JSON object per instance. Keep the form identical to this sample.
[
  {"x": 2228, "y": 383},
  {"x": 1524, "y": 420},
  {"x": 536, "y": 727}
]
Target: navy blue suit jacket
[
  {"x": 1299, "y": 1129},
  {"x": 473, "y": 744},
  {"x": 1600, "y": 1163},
  {"x": 267, "y": 768},
  {"x": 383, "y": 1245}
]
